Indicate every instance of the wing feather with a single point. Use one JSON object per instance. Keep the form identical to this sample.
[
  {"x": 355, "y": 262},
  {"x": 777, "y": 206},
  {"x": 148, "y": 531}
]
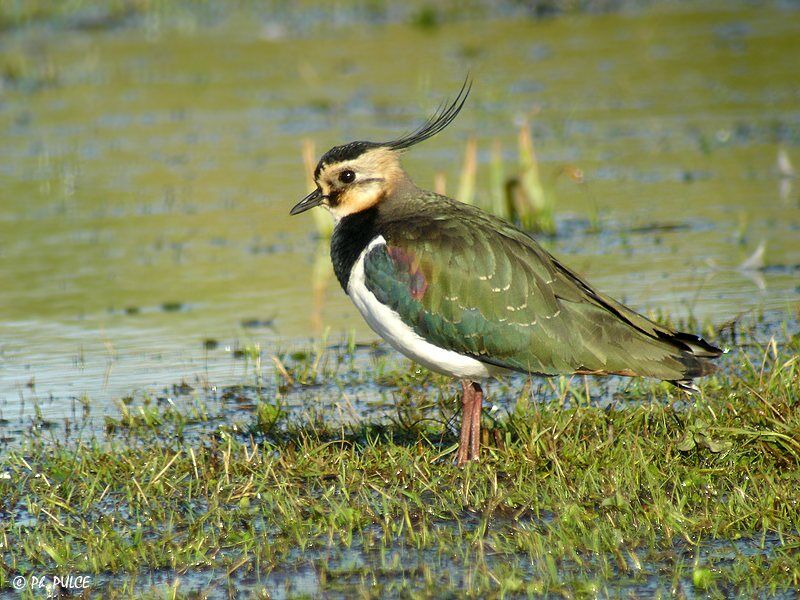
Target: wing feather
[{"x": 474, "y": 284}]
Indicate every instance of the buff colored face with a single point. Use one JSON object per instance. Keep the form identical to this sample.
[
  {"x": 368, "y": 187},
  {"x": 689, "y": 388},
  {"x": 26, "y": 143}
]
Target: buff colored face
[
  {"x": 356, "y": 176},
  {"x": 354, "y": 185}
]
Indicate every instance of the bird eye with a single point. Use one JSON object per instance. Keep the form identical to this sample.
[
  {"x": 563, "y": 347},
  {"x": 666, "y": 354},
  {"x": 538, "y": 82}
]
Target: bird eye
[{"x": 347, "y": 176}]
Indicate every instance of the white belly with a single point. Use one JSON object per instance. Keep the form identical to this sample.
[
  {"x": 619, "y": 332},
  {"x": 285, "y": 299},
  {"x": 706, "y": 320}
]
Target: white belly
[{"x": 387, "y": 323}]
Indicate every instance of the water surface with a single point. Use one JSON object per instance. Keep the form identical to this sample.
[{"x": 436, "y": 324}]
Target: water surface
[{"x": 146, "y": 177}]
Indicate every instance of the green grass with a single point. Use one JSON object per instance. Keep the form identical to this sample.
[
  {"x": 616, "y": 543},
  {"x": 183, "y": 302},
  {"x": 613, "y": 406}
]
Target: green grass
[{"x": 647, "y": 494}]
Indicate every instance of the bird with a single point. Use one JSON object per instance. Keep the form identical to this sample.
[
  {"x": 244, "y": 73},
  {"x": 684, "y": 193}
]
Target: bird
[{"x": 467, "y": 294}]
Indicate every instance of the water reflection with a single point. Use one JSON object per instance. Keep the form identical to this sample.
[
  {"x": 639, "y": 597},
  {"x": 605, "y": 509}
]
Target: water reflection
[{"x": 320, "y": 280}]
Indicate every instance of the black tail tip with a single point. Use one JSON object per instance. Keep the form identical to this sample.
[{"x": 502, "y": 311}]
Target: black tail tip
[
  {"x": 697, "y": 346},
  {"x": 686, "y": 385}
]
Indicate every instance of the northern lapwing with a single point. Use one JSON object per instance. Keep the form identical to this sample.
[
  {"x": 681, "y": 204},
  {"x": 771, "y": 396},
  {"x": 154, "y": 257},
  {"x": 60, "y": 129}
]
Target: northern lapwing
[{"x": 467, "y": 294}]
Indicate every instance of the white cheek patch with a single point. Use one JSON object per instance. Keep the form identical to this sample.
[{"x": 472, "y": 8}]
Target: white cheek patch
[
  {"x": 358, "y": 198},
  {"x": 337, "y": 216}
]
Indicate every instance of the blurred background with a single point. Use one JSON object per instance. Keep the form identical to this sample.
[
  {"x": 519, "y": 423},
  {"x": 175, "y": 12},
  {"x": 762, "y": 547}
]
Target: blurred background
[{"x": 150, "y": 152}]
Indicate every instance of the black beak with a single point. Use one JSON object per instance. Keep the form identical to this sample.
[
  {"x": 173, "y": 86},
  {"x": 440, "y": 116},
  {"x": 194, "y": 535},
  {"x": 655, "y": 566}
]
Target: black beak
[{"x": 313, "y": 199}]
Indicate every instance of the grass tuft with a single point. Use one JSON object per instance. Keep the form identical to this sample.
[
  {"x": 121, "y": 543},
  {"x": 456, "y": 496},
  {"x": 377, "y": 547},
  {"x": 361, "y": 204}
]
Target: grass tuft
[{"x": 644, "y": 494}]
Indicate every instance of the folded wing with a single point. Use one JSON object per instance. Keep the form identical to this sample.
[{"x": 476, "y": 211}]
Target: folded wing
[{"x": 471, "y": 283}]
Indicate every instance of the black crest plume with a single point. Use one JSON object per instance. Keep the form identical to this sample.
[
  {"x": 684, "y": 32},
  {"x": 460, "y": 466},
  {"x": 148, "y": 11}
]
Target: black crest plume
[{"x": 440, "y": 119}]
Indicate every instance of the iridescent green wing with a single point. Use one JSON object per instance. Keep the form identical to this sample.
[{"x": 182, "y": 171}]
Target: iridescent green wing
[{"x": 472, "y": 283}]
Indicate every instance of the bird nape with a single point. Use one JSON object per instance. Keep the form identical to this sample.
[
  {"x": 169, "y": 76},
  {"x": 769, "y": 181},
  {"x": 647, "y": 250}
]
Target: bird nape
[{"x": 467, "y": 294}]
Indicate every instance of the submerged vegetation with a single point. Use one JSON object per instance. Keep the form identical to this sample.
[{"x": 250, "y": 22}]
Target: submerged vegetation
[
  {"x": 637, "y": 491},
  {"x": 521, "y": 197}
]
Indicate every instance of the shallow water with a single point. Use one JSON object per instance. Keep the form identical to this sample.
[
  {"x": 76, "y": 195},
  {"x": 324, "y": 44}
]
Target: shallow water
[
  {"x": 332, "y": 571},
  {"x": 147, "y": 177}
]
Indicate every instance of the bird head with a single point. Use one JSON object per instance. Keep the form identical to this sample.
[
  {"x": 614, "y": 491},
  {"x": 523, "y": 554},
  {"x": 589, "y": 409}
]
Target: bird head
[{"x": 354, "y": 177}]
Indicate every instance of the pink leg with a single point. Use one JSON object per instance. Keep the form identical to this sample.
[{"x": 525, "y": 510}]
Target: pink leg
[
  {"x": 466, "y": 422},
  {"x": 475, "y": 432},
  {"x": 471, "y": 404}
]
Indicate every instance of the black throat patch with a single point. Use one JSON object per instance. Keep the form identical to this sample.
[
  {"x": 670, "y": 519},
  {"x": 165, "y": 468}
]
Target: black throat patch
[{"x": 351, "y": 235}]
